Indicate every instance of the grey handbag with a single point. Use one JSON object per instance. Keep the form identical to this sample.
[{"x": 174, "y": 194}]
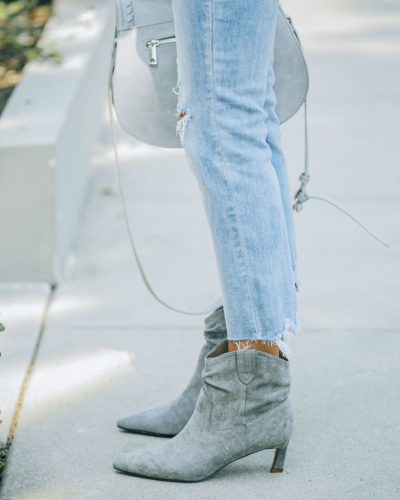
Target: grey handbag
[
  {"x": 145, "y": 71},
  {"x": 143, "y": 77}
]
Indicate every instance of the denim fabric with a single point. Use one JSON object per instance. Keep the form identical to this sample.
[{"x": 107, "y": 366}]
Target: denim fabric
[{"x": 230, "y": 132}]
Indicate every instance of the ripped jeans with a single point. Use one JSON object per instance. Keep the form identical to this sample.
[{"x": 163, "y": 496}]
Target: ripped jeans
[{"x": 228, "y": 126}]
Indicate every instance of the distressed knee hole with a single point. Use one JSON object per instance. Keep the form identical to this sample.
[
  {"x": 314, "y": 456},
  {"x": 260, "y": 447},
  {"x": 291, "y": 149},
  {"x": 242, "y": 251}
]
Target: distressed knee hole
[{"x": 183, "y": 119}]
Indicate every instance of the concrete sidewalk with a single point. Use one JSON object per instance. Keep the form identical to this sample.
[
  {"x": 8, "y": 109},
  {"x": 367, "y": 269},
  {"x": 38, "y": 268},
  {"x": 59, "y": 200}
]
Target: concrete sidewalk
[{"x": 108, "y": 348}]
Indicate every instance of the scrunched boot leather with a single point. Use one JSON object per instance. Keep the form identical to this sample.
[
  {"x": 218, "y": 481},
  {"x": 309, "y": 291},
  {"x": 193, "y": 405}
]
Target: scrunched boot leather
[
  {"x": 243, "y": 408},
  {"x": 169, "y": 419}
]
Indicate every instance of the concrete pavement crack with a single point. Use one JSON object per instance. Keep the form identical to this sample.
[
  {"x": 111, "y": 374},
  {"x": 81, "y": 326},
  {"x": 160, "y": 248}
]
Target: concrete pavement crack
[{"x": 4, "y": 452}]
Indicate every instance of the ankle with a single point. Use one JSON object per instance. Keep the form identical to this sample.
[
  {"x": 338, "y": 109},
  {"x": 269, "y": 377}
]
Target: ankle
[{"x": 267, "y": 346}]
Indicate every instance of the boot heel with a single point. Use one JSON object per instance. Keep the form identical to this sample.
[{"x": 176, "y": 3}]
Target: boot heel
[{"x": 279, "y": 458}]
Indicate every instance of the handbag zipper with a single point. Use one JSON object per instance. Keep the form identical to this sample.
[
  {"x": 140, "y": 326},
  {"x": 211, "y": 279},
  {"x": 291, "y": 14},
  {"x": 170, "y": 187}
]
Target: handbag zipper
[
  {"x": 153, "y": 44},
  {"x": 290, "y": 22}
]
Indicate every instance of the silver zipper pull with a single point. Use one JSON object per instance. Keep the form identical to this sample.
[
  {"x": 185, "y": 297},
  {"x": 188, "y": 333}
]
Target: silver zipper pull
[{"x": 152, "y": 46}]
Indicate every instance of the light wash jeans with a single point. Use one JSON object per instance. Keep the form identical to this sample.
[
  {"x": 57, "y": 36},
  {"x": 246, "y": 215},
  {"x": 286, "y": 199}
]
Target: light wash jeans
[{"x": 230, "y": 132}]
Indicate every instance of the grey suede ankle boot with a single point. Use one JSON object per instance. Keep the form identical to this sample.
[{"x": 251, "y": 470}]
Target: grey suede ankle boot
[
  {"x": 243, "y": 408},
  {"x": 169, "y": 419}
]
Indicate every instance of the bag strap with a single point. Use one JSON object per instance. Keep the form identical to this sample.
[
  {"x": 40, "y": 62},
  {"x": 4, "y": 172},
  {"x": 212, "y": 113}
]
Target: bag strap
[
  {"x": 302, "y": 196},
  {"x": 206, "y": 309}
]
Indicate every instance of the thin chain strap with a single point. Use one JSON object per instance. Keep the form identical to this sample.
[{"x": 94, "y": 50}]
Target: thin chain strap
[
  {"x": 205, "y": 310},
  {"x": 302, "y": 196}
]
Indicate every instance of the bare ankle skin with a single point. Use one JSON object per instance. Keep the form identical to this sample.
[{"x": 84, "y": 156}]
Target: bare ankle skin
[{"x": 259, "y": 345}]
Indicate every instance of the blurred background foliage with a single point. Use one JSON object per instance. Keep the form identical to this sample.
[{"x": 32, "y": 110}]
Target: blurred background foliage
[{"x": 21, "y": 24}]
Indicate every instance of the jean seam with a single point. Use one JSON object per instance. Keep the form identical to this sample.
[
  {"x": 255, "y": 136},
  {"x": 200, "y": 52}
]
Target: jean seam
[{"x": 226, "y": 176}]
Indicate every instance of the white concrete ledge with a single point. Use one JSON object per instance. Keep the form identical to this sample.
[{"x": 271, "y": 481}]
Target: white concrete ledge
[{"x": 46, "y": 134}]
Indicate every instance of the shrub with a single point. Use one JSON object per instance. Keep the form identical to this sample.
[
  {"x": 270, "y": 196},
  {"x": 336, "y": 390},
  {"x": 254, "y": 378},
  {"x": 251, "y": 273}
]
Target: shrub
[{"x": 21, "y": 24}]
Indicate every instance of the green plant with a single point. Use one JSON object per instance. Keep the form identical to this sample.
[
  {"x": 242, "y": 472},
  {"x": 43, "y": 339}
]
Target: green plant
[
  {"x": 3, "y": 457},
  {"x": 21, "y": 24},
  {"x": 3, "y": 451}
]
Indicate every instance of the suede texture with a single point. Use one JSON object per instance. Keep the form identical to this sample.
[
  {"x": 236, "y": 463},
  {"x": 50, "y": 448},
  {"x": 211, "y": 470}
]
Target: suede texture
[
  {"x": 243, "y": 408},
  {"x": 170, "y": 418}
]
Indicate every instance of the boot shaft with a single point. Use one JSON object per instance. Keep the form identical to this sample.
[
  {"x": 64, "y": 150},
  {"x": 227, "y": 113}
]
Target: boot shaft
[
  {"x": 242, "y": 386},
  {"x": 215, "y": 327}
]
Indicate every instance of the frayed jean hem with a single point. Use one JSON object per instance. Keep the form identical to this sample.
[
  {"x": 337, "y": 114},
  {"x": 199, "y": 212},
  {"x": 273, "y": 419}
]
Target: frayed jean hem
[{"x": 281, "y": 338}]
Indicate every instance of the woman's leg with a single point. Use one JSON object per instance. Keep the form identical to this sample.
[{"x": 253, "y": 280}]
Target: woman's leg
[
  {"x": 225, "y": 50},
  {"x": 228, "y": 127}
]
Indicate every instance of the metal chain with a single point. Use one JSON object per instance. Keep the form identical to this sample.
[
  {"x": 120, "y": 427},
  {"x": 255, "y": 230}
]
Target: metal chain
[{"x": 302, "y": 196}]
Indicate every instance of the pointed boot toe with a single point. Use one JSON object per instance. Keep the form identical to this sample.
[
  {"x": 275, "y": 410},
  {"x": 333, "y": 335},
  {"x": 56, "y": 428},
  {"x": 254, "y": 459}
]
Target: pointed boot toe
[
  {"x": 169, "y": 419},
  {"x": 163, "y": 420},
  {"x": 151, "y": 462}
]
